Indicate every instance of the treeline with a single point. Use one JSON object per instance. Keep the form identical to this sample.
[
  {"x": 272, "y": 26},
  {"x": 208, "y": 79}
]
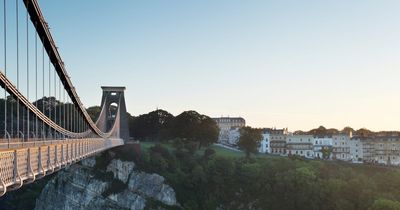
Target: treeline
[
  {"x": 189, "y": 127},
  {"x": 17, "y": 116},
  {"x": 209, "y": 181},
  {"x": 362, "y": 132}
]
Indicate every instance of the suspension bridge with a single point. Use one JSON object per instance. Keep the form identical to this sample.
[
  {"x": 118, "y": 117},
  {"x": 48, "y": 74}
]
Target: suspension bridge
[{"x": 44, "y": 125}]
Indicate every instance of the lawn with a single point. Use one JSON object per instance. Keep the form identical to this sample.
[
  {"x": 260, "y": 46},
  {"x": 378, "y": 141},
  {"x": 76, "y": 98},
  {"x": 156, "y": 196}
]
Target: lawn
[
  {"x": 221, "y": 151},
  {"x": 226, "y": 152}
]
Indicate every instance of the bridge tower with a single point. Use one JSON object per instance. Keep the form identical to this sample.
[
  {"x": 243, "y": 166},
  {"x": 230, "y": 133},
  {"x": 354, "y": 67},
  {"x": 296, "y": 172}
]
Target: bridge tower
[{"x": 114, "y": 110}]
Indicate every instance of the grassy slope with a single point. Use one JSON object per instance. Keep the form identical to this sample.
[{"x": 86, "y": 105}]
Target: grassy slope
[{"x": 218, "y": 149}]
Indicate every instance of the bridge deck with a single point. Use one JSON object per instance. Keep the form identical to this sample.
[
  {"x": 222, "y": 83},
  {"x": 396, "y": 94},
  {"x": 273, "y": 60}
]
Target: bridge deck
[{"x": 23, "y": 162}]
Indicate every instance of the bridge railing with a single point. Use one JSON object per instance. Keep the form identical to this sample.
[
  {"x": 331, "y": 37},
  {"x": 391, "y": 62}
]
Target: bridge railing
[
  {"x": 24, "y": 165},
  {"x": 21, "y": 143}
]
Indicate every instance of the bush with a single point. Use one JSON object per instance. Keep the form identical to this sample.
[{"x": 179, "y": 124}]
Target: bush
[
  {"x": 208, "y": 153},
  {"x": 115, "y": 187}
]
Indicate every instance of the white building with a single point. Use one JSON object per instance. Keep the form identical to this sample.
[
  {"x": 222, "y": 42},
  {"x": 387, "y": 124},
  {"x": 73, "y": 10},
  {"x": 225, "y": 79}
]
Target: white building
[
  {"x": 278, "y": 141},
  {"x": 265, "y": 142},
  {"x": 380, "y": 149},
  {"x": 226, "y": 124},
  {"x": 356, "y": 150},
  {"x": 341, "y": 147},
  {"x": 233, "y": 136},
  {"x": 321, "y": 144},
  {"x": 385, "y": 150},
  {"x": 301, "y": 145}
]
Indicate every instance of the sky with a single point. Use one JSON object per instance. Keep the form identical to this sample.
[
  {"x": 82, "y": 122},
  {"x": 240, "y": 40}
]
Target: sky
[{"x": 289, "y": 63}]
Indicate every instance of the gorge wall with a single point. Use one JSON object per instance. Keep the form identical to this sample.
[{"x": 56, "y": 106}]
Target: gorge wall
[{"x": 106, "y": 182}]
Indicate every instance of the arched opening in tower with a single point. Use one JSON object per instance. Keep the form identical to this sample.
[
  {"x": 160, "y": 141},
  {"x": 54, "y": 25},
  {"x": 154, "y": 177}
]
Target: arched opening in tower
[{"x": 111, "y": 115}]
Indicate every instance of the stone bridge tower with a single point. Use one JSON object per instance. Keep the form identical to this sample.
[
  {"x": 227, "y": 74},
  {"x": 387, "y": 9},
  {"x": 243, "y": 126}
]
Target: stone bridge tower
[{"x": 113, "y": 97}]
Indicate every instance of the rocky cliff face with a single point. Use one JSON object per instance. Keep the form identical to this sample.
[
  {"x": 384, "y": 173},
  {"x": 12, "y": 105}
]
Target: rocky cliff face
[{"x": 113, "y": 184}]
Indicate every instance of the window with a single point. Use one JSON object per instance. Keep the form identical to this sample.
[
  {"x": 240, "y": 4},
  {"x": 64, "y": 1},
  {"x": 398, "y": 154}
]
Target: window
[{"x": 301, "y": 152}]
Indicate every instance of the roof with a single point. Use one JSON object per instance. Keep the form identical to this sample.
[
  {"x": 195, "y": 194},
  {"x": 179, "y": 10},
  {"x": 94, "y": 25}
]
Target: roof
[
  {"x": 113, "y": 88},
  {"x": 228, "y": 118}
]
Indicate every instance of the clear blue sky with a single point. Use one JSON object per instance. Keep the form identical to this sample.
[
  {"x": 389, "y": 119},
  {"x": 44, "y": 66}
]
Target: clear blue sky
[{"x": 296, "y": 64}]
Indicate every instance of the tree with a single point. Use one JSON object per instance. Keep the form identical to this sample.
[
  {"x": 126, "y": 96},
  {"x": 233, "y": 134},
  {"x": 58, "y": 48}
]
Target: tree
[
  {"x": 208, "y": 153},
  {"x": 190, "y": 126},
  {"x": 326, "y": 152},
  {"x": 320, "y": 131},
  {"x": 364, "y": 132},
  {"x": 185, "y": 124},
  {"x": 347, "y": 130},
  {"x": 249, "y": 140},
  {"x": 385, "y": 204},
  {"x": 94, "y": 112},
  {"x": 153, "y": 125},
  {"x": 207, "y": 132}
]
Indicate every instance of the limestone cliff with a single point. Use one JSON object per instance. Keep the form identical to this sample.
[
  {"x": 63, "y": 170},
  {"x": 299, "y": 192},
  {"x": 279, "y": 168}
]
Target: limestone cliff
[{"x": 112, "y": 184}]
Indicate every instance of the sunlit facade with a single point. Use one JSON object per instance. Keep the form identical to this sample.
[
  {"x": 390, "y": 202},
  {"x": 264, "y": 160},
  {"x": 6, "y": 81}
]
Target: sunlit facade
[
  {"x": 301, "y": 145},
  {"x": 228, "y": 128}
]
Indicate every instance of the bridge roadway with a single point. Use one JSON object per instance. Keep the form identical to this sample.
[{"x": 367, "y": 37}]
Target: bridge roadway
[{"x": 24, "y": 162}]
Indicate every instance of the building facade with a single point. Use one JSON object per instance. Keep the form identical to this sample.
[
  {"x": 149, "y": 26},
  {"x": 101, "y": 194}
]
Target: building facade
[
  {"x": 265, "y": 142},
  {"x": 323, "y": 147},
  {"x": 386, "y": 150},
  {"x": 301, "y": 145},
  {"x": 381, "y": 148},
  {"x": 233, "y": 136},
  {"x": 278, "y": 141},
  {"x": 226, "y": 126},
  {"x": 356, "y": 150},
  {"x": 368, "y": 148},
  {"x": 341, "y": 147}
]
